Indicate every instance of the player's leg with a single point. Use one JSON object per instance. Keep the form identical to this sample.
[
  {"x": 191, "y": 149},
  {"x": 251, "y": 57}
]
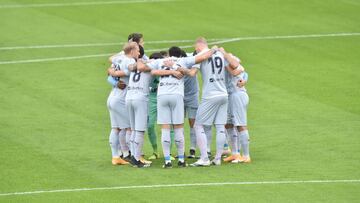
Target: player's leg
[
  {"x": 177, "y": 119},
  {"x": 192, "y": 132},
  {"x": 204, "y": 116},
  {"x": 114, "y": 133},
  {"x": 220, "y": 121},
  {"x": 122, "y": 141},
  {"x": 151, "y": 124},
  {"x": 114, "y": 144},
  {"x": 164, "y": 119},
  {"x": 232, "y": 135},
  {"x": 229, "y": 131},
  {"x": 208, "y": 132},
  {"x": 141, "y": 111},
  {"x": 124, "y": 124},
  {"x": 240, "y": 120},
  {"x": 191, "y": 105},
  {"x": 131, "y": 134},
  {"x": 127, "y": 141}
]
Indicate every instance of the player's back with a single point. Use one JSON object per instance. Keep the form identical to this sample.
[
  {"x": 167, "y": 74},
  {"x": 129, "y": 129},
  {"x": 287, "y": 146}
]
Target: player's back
[
  {"x": 232, "y": 82},
  {"x": 138, "y": 87},
  {"x": 191, "y": 84},
  {"x": 213, "y": 75},
  {"x": 169, "y": 84},
  {"x": 118, "y": 64}
]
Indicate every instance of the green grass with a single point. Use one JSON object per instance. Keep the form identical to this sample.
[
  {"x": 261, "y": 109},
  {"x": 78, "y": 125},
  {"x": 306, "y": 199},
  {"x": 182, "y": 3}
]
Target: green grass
[{"x": 304, "y": 114}]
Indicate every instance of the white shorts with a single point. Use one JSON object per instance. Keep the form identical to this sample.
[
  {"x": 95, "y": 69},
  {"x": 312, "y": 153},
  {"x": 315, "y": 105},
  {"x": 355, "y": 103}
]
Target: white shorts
[
  {"x": 138, "y": 114},
  {"x": 170, "y": 109},
  {"x": 191, "y": 104},
  {"x": 238, "y": 103},
  {"x": 190, "y": 112},
  {"x": 119, "y": 116},
  {"x": 212, "y": 111},
  {"x": 191, "y": 101}
]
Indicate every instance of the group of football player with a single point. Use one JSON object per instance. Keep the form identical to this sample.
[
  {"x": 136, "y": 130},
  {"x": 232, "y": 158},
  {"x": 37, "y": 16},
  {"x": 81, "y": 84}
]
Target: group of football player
[{"x": 163, "y": 88}]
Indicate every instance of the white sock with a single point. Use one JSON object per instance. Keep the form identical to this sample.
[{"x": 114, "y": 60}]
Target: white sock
[
  {"x": 201, "y": 142},
  {"x": 192, "y": 138},
  {"x": 114, "y": 143},
  {"x": 119, "y": 149},
  {"x": 123, "y": 146},
  {"x": 220, "y": 140},
  {"x": 132, "y": 139},
  {"x": 244, "y": 140},
  {"x": 208, "y": 132},
  {"x": 138, "y": 144},
  {"x": 128, "y": 138},
  {"x": 238, "y": 142},
  {"x": 232, "y": 136},
  {"x": 166, "y": 142},
  {"x": 180, "y": 143}
]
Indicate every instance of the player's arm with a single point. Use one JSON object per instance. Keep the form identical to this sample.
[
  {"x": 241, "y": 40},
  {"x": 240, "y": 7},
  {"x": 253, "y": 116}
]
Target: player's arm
[
  {"x": 188, "y": 71},
  {"x": 112, "y": 81},
  {"x": 116, "y": 73},
  {"x": 162, "y": 72},
  {"x": 204, "y": 56},
  {"x": 232, "y": 61},
  {"x": 242, "y": 82},
  {"x": 236, "y": 71},
  {"x": 142, "y": 67}
]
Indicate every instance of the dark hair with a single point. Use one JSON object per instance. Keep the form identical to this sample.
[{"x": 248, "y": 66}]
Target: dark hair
[
  {"x": 175, "y": 51},
  {"x": 183, "y": 53},
  {"x": 156, "y": 55},
  {"x": 194, "y": 53},
  {"x": 142, "y": 52},
  {"x": 164, "y": 53},
  {"x": 135, "y": 37}
]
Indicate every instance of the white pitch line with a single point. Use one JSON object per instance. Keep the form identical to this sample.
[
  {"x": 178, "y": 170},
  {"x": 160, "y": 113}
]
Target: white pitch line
[
  {"x": 74, "y": 57},
  {"x": 221, "y": 41},
  {"x": 288, "y": 37},
  {"x": 91, "y": 3},
  {"x": 182, "y": 185}
]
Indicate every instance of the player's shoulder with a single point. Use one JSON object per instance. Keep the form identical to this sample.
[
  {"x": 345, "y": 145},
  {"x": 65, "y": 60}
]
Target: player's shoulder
[{"x": 155, "y": 63}]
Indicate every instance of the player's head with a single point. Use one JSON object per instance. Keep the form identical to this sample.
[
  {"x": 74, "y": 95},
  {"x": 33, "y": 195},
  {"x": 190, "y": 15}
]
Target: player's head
[
  {"x": 164, "y": 54},
  {"x": 200, "y": 44},
  {"x": 141, "y": 50},
  {"x": 156, "y": 55},
  {"x": 175, "y": 51},
  {"x": 136, "y": 37},
  {"x": 183, "y": 53},
  {"x": 132, "y": 49}
]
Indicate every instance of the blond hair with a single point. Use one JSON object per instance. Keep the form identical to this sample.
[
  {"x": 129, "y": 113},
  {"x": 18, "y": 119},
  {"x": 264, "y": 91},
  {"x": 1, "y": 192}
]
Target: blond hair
[
  {"x": 128, "y": 47},
  {"x": 201, "y": 40}
]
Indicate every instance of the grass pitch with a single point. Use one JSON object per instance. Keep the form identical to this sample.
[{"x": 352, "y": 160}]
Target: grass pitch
[{"x": 304, "y": 113}]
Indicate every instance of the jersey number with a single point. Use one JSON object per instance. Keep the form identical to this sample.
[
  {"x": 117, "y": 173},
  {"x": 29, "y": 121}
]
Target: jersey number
[
  {"x": 216, "y": 62},
  {"x": 136, "y": 76},
  {"x": 165, "y": 68}
]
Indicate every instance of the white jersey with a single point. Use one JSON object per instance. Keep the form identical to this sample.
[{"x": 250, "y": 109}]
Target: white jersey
[
  {"x": 191, "y": 84},
  {"x": 232, "y": 81},
  {"x": 138, "y": 88},
  {"x": 169, "y": 84},
  {"x": 213, "y": 75},
  {"x": 117, "y": 58},
  {"x": 117, "y": 63}
]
